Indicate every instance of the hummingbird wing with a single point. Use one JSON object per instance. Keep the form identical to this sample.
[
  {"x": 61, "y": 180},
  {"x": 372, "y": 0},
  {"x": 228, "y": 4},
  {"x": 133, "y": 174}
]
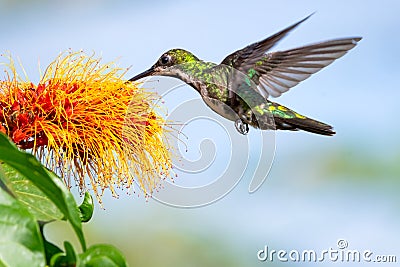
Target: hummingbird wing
[
  {"x": 245, "y": 58},
  {"x": 277, "y": 72}
]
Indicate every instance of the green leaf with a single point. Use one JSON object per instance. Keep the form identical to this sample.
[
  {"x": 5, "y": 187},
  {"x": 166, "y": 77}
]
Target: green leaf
[
  {"x": 20, "y": 238},
  {"x": 38, "y": 204},
  {"x": 50, "y": 250},
  {"x": 67, "y": 259},
  {"x": 69, "y": 250},
  {"x": 86, "y": 208},
  {"x": 51, "y": 185},
  {"x": 102, "y": 255}
]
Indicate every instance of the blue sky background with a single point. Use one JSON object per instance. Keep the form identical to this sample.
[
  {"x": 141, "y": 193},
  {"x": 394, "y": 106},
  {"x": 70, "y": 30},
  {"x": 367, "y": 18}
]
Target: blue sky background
[{"x": 319, "y": 189}]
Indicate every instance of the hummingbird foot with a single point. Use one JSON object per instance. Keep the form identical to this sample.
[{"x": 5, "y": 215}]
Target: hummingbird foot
[{"x": 242, "y": 127}]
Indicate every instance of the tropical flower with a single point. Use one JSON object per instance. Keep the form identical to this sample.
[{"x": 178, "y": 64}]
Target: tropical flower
[{"x": 86, "y": 123}]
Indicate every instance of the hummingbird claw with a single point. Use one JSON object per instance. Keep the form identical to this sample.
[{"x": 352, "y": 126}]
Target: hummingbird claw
[{"x": 242, "y": 127}]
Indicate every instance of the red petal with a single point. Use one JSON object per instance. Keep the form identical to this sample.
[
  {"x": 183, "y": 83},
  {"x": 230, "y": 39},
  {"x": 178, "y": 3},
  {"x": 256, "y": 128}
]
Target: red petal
[
  {"x": 2, "y": 129},
  {"x": 18, "y": 136},
  {"x": 15, "y": 106}
]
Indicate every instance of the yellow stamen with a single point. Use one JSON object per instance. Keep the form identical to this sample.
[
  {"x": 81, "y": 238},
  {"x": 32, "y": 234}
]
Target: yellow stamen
[{"x": 84, "y": 120}]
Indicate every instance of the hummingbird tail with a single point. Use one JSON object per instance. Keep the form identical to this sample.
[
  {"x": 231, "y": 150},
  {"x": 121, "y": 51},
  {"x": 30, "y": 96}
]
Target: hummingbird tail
[
  {"x": 287, "y": 119},
  {"x": 305, "y": 124}
]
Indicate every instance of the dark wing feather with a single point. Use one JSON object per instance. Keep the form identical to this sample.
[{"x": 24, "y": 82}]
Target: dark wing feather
[
  {"x": 244, "y": 59},
  {"x": 277, "y": 72}
]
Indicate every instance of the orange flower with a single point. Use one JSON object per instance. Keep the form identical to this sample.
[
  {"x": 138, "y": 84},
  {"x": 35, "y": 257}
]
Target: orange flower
[{"x": 84, "y": 120}]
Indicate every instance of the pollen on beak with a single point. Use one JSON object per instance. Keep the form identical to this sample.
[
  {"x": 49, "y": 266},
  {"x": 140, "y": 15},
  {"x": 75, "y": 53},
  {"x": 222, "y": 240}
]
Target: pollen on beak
[{"x": 146, "y": 73}]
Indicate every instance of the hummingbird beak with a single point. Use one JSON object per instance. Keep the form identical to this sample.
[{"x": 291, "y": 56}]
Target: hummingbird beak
[{"x": 146, "y": 73}]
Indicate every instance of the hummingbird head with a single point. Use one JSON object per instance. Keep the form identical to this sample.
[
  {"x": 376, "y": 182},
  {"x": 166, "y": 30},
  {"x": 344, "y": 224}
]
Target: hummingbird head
[{"x": 166, "y": 63}]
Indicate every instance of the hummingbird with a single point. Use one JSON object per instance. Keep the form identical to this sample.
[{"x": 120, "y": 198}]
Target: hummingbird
[{"x": 240, "y": 86}]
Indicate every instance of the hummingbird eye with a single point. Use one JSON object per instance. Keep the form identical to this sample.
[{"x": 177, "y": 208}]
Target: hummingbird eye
[{"x": 165, "y": 59}]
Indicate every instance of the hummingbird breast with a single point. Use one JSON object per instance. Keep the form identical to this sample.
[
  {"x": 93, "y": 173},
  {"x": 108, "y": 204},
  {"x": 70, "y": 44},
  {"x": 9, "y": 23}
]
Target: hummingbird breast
[
  {"x": 221, "y": 108},
  {"x": 214, "y": 83}
]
